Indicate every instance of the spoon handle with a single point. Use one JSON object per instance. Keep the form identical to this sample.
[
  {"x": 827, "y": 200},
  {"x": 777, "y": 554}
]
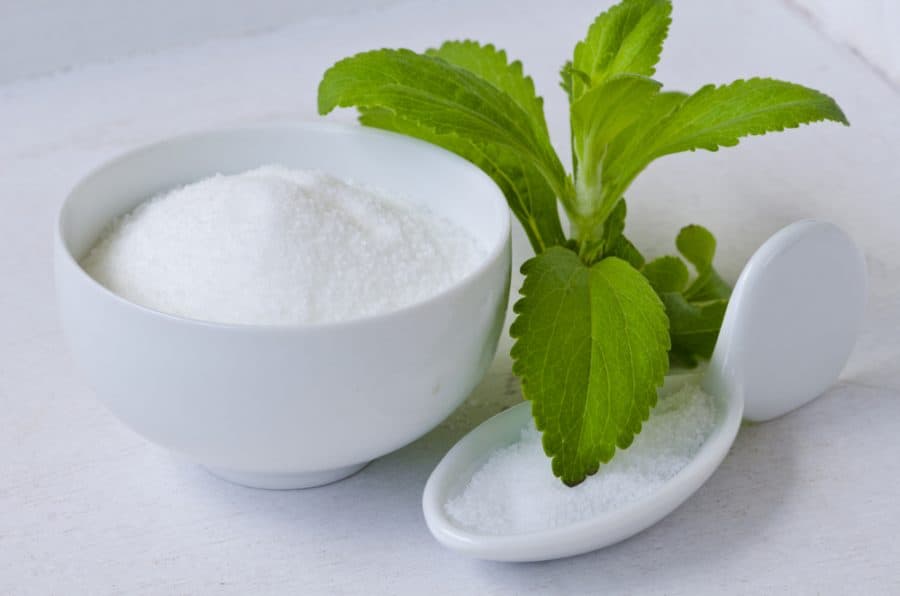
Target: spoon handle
[{"x": 792, "y": 320}]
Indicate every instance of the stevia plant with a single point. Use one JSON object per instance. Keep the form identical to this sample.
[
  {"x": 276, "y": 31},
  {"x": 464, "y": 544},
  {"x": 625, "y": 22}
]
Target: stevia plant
[{"x": 597, "y": 326}]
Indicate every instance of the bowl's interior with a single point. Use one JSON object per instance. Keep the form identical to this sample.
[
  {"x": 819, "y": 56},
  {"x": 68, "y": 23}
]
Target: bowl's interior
[{"x": 402, "y": 167}]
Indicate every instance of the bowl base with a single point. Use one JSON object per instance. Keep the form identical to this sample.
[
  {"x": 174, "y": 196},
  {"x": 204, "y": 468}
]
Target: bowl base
[{"x": 286, "y": 481}]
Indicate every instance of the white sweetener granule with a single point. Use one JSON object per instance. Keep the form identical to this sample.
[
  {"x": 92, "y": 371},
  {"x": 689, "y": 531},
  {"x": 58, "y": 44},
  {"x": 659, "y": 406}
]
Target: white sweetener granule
[
  {"x": 515, "y": 491},
  {"x": 276, "y": 246}
]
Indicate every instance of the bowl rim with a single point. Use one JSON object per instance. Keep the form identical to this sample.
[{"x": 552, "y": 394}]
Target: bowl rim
[{"x": 494, "y": 250}]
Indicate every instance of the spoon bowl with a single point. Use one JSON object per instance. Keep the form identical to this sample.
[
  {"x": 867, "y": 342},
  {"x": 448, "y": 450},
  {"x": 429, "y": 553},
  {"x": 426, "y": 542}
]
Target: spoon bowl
[
  {"x": 789, "y": 328},
  {"x": 450, "y": 477}
]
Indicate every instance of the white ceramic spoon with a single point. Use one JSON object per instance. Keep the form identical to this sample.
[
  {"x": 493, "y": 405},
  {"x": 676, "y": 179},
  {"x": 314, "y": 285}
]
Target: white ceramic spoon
[{"x": 789, "y": 328}]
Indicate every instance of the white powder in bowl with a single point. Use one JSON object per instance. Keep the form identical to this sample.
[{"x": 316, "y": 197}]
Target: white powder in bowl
[
  {"x": 279, "y": 246},
  {"x": 515, "y": 491}
]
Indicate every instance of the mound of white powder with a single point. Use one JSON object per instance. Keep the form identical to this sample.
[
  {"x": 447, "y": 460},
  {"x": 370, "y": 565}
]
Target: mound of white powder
[
  {"x": 279, "y": 246},
  {"x": 515, "y": 491}
]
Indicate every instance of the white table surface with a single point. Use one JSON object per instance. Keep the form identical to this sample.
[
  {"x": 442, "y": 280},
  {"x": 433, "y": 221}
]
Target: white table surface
[{"x": 809, "y": 503}]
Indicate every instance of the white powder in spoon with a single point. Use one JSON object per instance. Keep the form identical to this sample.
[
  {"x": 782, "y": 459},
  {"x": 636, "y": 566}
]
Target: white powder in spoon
[
  {"x": 515, "y": 491},
  {"x": 279, "y": 246}
]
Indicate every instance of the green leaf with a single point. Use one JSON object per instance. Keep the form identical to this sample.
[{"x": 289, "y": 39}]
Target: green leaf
[
  {"x": 708, "y": 286},
  {"x": 591, "y": 349},
  {"x": 693, "y": 328},
  {"x": 491, "y": 118},
  {"x": 436, "y": 94},
  {"x": 614, "y": 226},
  {"x": 441, "y": 96},
  {"x": 666, "y": 274},
  {"x": 627, "y": 38},
  {"x": 529, "y": 198},
  {"x": 695, "y": 311},
  {"x": 602, "y": 113},
  {"x": 491, "y": 64},
  {"x": 713, "y": 117},
  {"x": 697, "y": 244},
  {"x": 716, "y": 117},
  {"x": 625, "y": 250},
  {"x": 598, "y": 117},
  {"x": 565, "y": 78},
  {"x": 567, "y": 74},
  {"x": 661, "y": 106}
]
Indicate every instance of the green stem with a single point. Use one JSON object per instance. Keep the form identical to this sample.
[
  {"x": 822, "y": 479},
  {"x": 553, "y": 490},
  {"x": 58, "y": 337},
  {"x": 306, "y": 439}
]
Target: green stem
[
  {"x": 592, "y": 208},
  {"x": 572, "y": 148}
]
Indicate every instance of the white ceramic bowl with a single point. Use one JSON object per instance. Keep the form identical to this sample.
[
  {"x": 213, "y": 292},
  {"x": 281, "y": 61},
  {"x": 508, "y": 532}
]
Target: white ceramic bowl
[{"x": 286, "y": 406}]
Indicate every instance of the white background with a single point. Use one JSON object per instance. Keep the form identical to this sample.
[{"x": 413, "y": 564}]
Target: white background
[
  {"x": 42, "y": 36},
  {"x": 804, "y": 504}
]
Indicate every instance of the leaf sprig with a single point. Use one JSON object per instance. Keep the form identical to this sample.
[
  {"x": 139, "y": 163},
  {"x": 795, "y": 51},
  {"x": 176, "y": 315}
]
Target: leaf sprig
[{"x": 597, "y": 326}]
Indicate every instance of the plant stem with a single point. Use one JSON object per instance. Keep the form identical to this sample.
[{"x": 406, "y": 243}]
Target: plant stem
[{"x": 593, "y": 207}]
